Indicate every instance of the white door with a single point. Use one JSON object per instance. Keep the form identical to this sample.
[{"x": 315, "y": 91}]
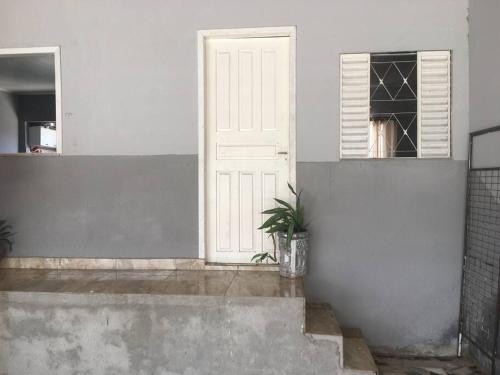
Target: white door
[{"x": 247, "y": 116}]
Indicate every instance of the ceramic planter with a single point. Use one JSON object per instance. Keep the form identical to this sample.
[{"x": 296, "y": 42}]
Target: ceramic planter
[{"x": 293, "y": 259}]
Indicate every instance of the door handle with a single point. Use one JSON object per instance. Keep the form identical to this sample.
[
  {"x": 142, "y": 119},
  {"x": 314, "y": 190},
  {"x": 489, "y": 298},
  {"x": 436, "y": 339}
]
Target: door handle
[{"x": 282, "y": 153}]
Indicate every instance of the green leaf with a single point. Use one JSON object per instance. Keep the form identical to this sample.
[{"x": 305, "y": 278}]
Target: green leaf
[
  {"x": 300, "y": 217},
  {"x": 285, "y": 219},
  {"x": 289, "y": 234},
  {"x": 5, "y": 234},
  {"x": 297, "y": 202},
  {"x": 275, "y": 210},
  {"x": 273, "y": 220},
  {"x": 260, "y": 257},
  {"x": 256, "y": 257},
  {"x": 282, "y": 202}
]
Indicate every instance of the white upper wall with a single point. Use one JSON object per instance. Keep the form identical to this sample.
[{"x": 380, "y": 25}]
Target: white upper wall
[{"x": 129, "y": 83}]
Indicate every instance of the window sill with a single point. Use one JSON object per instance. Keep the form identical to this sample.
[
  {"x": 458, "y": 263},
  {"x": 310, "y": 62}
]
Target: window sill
[{"x": 20, "y": 154}]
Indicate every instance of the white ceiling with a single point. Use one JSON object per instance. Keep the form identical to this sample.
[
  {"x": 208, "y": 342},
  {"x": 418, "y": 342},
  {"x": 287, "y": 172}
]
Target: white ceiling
[{"x": 27, "y": 73}]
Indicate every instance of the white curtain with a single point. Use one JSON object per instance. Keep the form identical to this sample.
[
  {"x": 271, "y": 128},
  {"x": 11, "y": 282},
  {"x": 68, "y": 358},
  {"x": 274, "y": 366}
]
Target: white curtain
[{"x": 382, "y": 138}]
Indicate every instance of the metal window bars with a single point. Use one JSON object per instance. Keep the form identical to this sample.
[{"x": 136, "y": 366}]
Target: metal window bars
[{"x": 480, "y": 299}]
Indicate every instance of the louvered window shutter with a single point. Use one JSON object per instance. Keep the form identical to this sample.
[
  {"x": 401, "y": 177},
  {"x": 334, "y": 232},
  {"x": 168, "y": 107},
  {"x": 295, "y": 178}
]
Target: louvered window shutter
[
  {"x": 354, "y": 105},
  {"x": 433, "y": 104}
]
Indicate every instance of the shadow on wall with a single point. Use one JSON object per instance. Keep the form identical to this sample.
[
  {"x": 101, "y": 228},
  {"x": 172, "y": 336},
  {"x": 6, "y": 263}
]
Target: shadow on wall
[
  {"x": 31, "y": 109},
  {"x": 18, "y": 109},
  {"x": 8, "y": 123}
]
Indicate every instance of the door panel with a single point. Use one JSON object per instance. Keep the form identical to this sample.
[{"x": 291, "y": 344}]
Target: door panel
[
  {"x": 269, "y": 90},
  {"x": 223, "y": 209},
  {"x": 247, "y": 209},
  {"x": 247, "y": 142}
]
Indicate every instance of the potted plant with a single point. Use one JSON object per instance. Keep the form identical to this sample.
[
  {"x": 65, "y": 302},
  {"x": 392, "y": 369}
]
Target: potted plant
[
  {"x": 5, "y": 238},
  {"x": 287, "y": 223}
]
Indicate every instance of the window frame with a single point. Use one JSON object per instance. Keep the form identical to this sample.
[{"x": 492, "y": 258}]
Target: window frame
[{"x": 449, "y": 103}]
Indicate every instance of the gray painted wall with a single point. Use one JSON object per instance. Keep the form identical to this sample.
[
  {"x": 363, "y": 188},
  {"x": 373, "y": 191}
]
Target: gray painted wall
[
  {"x": 386, "y": 234},
  {"x": 133, "y": 67},
  {"x": 387, "y": 247},
  {"x": 8, "y": 123},
  {"x": 484, "y": 37},
  {"x": 124, "y": 207},
  {"x": 484, "y": 58}
]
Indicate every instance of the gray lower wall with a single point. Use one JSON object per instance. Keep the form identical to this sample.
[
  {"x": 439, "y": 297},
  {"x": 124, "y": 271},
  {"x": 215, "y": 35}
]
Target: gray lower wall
[
  {"x": 386, "y": 247},
  {"x": 101, "y": 206},
  {"x": 386, "y": 235}
]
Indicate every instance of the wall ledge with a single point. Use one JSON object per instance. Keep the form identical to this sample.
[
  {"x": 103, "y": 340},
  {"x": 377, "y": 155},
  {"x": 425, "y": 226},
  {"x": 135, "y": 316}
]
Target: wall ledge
[{"x": 181, "y": 264}]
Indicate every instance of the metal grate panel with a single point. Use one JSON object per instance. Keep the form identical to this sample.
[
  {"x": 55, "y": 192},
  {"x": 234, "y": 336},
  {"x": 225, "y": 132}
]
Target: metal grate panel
[{"x": 479, "y": 310}]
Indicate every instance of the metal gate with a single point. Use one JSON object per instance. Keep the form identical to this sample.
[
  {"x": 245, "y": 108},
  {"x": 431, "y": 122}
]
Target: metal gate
[{"x": 480, "y": 300}]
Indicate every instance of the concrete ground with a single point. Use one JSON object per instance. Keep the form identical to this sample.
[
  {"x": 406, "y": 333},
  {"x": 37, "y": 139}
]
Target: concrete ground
[{"x": 398, "y": 365}]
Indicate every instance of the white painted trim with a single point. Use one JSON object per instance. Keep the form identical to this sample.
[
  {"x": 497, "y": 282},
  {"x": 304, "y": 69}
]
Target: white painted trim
[
  {"x": 254, "y": 32},
  {"x": 28, "y": 50},
  {"x": 56, "y": 51},
  {"x": 293, "y": 107},
  {"x": 450, "y": 87},
  {"x": 201, "y": 145},
  {"x": 259, "y": 32},
  {"x": 58, "y": 84}
]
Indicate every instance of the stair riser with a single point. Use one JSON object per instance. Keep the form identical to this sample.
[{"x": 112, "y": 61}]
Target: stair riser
[{"x": 134, "y": 334}]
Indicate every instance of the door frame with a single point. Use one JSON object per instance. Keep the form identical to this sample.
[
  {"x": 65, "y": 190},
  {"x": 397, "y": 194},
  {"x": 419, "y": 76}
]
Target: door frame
[
  {"x": 259, "y": 32},
  {"x": 56, "y": 51}
]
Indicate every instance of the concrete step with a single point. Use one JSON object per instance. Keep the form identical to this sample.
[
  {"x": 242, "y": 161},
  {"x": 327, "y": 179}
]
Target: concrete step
[
  {"x": 321, "y": 321},
  {"x": 355, "y": 357},
  {"x": 321, "y": 324},
  {"x": 149, "y": 322},
  {"x": 358, "y": 359}
]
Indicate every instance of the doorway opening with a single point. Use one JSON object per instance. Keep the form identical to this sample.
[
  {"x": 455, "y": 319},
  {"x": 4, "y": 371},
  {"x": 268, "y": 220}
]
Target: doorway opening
[
  {"x": 246, "y": 136},
  {"x": 30, "y": 101}
]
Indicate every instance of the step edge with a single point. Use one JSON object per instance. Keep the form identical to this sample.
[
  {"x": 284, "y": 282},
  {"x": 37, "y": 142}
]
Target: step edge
[
  {"x": 349, "y": 371},
  {"x": 324, "y": 307},
  {"x": 339, "y": 340},
  {"x": 369, "y": 369}
]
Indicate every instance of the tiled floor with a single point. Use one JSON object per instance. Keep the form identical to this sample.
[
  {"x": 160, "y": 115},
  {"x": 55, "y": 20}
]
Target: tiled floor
[
  {"x": 399, "y": 365},
  {"x": 213, "y": 283}
]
